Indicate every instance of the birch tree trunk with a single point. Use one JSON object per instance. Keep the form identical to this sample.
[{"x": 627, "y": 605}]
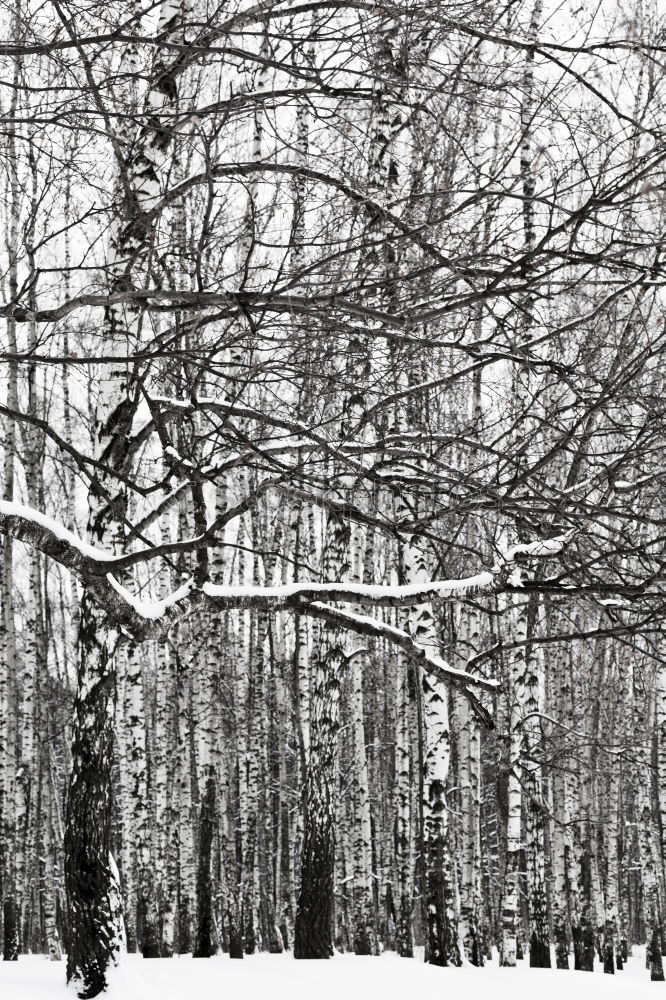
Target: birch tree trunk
[
  {"x": 204, "y": 941},
  {"x": 96, "y": 932},
  {"x": 535, "y": 825},
  {"x": 403, "y": 838},
  {"x": 615, "y": 684},
  {"x": 135, "y": 719},
  {"x": 660, "y": 713},
  {"x": 648, "y": 863},
  {"x": 470, "y": 863},
  {"x": 442, "y": 946},
  {"x": 247, "y": 765},
  {"x": 561, "y": 817},
  {"x": 586, "y": 921},
  {"x": 93, "y": 897},
  {"x": 183, "y": 799},
  {"x": 125, "y": 826},
  {"x": 9, "y": 664},
  {"x": 163, "y": 788},
  {"x": 313, "y": 926},
  {"x": 49, "y": 841},
  {"x": 510, "y": 895},
  {"x": 365, "y": 941},
  {"x": 209, "y": 765}
]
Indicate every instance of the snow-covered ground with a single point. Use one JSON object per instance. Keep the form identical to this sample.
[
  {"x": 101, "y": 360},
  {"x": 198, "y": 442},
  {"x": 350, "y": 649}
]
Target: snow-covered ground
[{"x": 346, "y": 977}]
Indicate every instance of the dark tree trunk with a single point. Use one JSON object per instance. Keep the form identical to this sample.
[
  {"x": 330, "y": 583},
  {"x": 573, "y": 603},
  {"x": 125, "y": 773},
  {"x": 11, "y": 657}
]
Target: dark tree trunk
[
  {"x": 150, "y": 937},
  {"x": 234, "y": 932},
  {"x": 362, "y": 942},
  {"x": 403, "y": 933},
  {"x": 539, "y": 952},
  {"x": 654, "y": 955},
  {"x": 583, "y": 931},
  {"x": 583, "y": 942},
  {"x": 11, "y": 937},
  {"x": 247, "y": 909},
  {"x": 269, "y": 930},
  {"x": 561, "y": 945},
  {"x": 205, "y": 944},
  {"x": 539, "y": 936},
  {"x": 184, "y": 930},
  {"x": 475, "y": 943},
  {"x": 93, "y": 901},
  {"x": 609, "y": 958},
  {"x": 538, "y": 908},
  {"x": 442, "y": 944},
  {"x": 312, "y": 931},
  {"x": 608, "y": 949}
]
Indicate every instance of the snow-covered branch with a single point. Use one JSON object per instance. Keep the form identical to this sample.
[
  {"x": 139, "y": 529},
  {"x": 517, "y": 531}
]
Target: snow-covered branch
[
  {"x": 144, "y": 619},
  {"x": 94, "y": 567}
]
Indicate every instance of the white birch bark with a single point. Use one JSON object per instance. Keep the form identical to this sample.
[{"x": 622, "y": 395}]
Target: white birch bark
[
  {"x": 365, "y": 942},
  {"x": 442, "y": 947},
  {"x": 49, "y": 846},
  {"x": 403, "y": 793},
  {"x": 539, "y": 940},
  {"x": 313, "y": 929},
  {"x": 469, "y": 782},
  {"x": 8, "y": 660},
  {"x": 510, "y": 896},
  {"x": 562, "y": 812},
  {"x": 643, "y": 712}
]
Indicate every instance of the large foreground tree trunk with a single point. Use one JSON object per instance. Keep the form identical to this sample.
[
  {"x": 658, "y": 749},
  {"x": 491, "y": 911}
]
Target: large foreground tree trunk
[{"x": 96, "y": 936}]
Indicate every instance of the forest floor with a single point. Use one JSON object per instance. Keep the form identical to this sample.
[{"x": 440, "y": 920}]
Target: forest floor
[{"x": 346, "y": 977}]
